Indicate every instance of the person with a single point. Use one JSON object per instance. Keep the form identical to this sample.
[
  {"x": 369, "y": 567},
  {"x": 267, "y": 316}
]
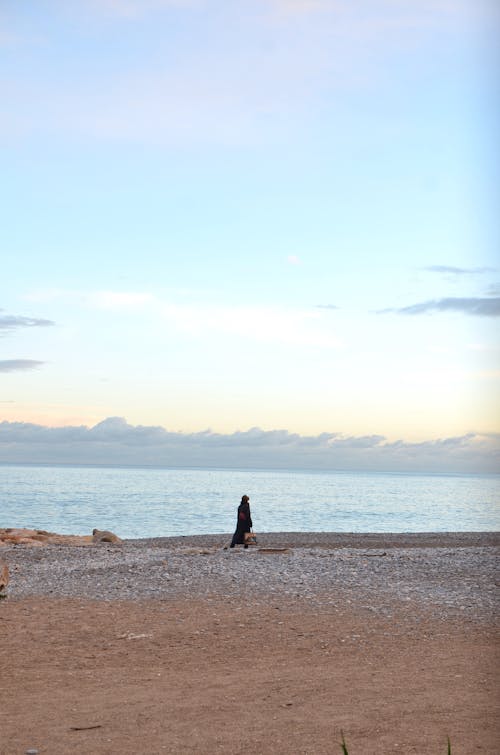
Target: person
[{"x": 243, "y": 523}]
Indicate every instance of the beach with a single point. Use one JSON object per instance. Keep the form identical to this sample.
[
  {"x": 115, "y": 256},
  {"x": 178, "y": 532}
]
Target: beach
[{"x": 181, "y": 645}]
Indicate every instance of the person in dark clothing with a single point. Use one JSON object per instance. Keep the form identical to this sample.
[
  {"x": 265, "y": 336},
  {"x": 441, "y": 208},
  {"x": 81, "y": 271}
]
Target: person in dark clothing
[{"x": 243, "y": 523}]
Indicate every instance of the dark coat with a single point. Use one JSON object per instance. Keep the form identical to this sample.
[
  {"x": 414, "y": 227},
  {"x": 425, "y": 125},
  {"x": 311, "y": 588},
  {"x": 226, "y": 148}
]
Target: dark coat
[{"x": 243, "y": 523}]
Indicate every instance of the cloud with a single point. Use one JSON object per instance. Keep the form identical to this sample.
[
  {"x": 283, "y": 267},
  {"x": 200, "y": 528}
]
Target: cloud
[
  {"x": 265, "y": 324},
  {"x": 469, "y": 306},
  {"x": 12, "y": 322},
  {"x": 296, "y": 327},
  {"x": 327, "y": 306},
  {"x": 14, "y": 365},
  {"x": 115, "y": 441},
  {"x": 9, "y": 323},
  {"x": 101, "y": 299},
  {"x": 459, "y": 270}
]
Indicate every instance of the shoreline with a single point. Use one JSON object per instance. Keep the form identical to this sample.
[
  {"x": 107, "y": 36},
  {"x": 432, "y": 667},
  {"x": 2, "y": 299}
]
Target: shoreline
[{"x": 298, "y": 539}]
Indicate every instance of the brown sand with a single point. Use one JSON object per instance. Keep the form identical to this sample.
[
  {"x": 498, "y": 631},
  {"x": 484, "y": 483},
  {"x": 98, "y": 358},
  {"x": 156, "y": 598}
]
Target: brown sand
[{"x": 206, "y": 676}]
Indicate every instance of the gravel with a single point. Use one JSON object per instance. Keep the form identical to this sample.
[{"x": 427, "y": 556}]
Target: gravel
[{"x": 447, "y": 574}]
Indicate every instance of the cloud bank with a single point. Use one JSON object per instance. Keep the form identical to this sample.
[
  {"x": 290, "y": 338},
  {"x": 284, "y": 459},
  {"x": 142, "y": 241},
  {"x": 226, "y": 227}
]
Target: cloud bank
[{"x": 114, "y": 441}]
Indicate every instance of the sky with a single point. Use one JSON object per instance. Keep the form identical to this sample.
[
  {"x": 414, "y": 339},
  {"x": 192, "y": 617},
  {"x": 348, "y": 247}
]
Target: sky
[{"x": 250, "y": 233}]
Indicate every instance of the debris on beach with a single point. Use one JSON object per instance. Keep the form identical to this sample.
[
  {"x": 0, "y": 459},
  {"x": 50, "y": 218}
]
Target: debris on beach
[{"x": 273, "y": 550}]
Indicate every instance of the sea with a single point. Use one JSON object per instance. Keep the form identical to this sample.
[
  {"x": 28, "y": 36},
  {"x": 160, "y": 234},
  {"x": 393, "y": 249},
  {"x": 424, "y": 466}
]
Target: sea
[{"x": 136, "y": 502}]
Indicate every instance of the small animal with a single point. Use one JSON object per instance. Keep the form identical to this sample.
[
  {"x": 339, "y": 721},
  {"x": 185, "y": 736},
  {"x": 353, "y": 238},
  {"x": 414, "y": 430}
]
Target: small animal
[{"x": 104, "y": 536}]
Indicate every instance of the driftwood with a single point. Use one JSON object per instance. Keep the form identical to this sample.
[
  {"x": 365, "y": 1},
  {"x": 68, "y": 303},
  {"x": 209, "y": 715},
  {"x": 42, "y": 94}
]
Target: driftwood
[{"x": 273, "y": 550}]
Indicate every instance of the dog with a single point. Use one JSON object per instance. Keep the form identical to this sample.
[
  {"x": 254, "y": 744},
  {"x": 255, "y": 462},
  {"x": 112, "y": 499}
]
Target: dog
[{"x": 104, "y": 536}]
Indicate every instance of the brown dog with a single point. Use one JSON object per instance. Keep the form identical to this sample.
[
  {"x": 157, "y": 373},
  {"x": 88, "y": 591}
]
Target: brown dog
[{"x": 104, "y": 536}]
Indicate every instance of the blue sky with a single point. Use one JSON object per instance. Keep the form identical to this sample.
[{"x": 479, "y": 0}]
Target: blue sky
[{"x": 277, "y": 214}]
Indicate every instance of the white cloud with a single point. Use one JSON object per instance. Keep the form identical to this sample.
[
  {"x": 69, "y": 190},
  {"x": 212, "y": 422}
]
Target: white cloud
[
  {"x": 105, "y": 299},
  {"x": 264, "y": 324}
]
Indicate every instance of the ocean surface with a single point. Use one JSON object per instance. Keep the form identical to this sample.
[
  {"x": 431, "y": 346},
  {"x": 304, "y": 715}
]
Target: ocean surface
[{"x": 145, "y": 502}]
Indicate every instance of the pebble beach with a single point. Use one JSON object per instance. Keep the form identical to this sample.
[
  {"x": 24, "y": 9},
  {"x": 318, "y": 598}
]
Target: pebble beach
[{"x": 444, "y": 573}]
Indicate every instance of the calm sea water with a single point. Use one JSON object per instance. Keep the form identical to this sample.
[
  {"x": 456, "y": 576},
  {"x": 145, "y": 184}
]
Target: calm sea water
[{"x": 137, "y": 502}]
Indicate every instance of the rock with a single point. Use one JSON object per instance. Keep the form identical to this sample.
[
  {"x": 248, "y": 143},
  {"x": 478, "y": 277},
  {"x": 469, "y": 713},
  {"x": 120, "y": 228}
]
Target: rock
[
  {"x": 104, "y": 536},
  {"x": 16, "y": 536},
  {"x": 28, "y": 541}
]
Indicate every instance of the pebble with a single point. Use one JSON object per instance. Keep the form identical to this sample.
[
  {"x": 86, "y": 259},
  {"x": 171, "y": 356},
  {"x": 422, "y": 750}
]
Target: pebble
[{"x": 452, "y": 573}]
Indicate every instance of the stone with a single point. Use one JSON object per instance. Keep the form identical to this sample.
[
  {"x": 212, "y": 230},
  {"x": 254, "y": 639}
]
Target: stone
[{"x": 17, "y": 536}]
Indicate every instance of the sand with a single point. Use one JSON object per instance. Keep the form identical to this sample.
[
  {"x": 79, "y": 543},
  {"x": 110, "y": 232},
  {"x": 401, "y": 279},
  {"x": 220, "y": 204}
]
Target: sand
[{"x": 371, "y": 635}]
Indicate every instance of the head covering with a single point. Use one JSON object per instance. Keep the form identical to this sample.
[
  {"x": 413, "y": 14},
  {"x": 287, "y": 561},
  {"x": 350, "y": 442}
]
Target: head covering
[{"x": 245, "y": 499}]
